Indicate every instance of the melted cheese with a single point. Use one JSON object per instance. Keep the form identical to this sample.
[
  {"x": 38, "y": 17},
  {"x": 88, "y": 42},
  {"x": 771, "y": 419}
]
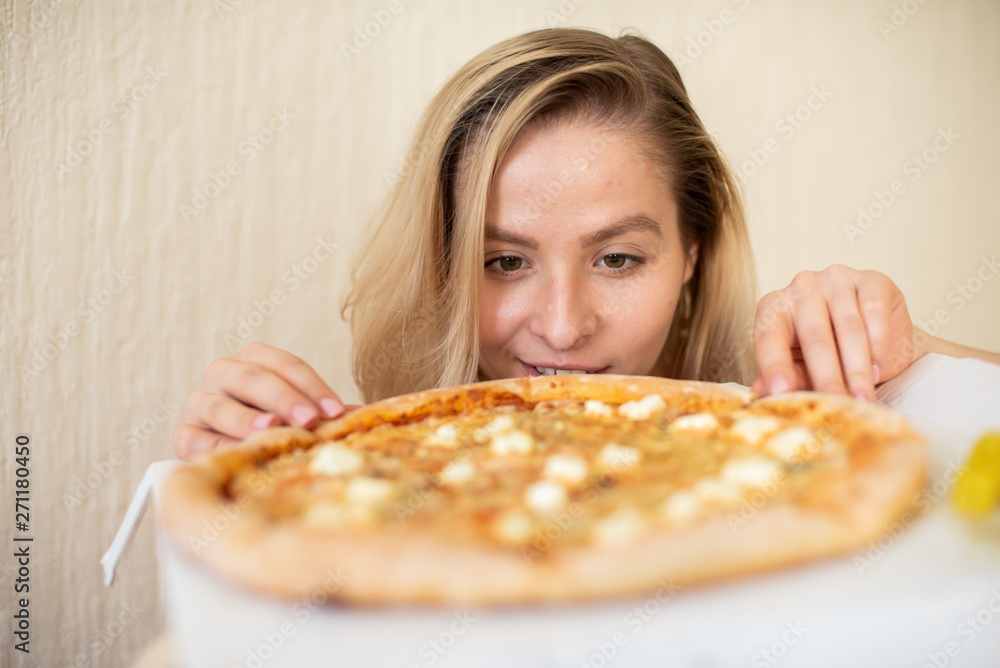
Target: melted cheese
[
  {"x": 644, "y": 408},
  {"x": 458, "y": 472},
  {"x": 512, "y": 443},
  {"x": 753, "y": 428},
  {"x": 367, "y": 491},
  {"x": 545, "y": 496},
  {"x": 617, "y": 456},
  {"x": 750, "y": 471},
  {"x": 333, "y": 459},
  {"x": 446, "y": 435},
  {"x": 794, "y": 444},
  {"x": 696, "y": 422},
  {"x": 597, "y": 408},
  {"x": 569, "y": 469}
]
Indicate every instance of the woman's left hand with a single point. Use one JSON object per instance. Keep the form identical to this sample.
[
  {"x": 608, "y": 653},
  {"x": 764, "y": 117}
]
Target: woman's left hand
[{"x": 838, "y": 330}]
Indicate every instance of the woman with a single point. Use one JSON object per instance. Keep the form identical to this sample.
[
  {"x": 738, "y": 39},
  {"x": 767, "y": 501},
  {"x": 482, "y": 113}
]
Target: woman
[{"x": 567, "y": 212}]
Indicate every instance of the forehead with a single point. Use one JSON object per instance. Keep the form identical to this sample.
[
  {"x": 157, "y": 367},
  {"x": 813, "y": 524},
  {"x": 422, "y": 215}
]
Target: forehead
[{"x": 579, "y": 176}]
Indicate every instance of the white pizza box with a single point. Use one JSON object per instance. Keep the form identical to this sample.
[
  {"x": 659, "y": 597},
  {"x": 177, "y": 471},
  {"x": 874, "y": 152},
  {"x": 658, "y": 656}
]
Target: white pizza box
[{"x": 925, "y": 594}]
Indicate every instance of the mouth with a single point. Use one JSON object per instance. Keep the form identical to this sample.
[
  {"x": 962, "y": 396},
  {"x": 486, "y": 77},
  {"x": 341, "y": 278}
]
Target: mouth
[{"x": 542, "y": 370}]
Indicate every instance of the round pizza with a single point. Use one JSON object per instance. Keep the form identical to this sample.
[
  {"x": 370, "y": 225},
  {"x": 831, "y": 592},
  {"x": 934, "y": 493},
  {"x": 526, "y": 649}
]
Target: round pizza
[{"x": 545, "y": 489}]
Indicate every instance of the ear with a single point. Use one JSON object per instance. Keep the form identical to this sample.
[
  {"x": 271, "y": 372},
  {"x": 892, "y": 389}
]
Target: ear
[{"x": 691, "y": 261}]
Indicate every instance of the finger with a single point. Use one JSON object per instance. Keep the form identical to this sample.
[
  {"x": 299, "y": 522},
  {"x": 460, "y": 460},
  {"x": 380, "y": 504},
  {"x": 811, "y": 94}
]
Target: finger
[
  {"x": 819, "y": 348},
  {"x": 191, "y": 441},
  {"x": 852, "y": 339},
  {"x": 877, "y": 297},
  {"x": 223, "y": 414},
  {"x": 261, "y": 388},
  {"x": 773, "y": 340},
  {"x": 801, "y": 378},
  {"x": 297, "y": 372}
]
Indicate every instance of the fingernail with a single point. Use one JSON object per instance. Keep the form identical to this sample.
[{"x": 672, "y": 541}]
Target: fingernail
[
  {"x": 331, "y": 407},
  {"x": 304, "y": 415},
  {"x": 862, "y": 397},
  {"x": 265, "y": 420},
  {"x": 779, "y": 385},
  {"x": 876, "y": 373}
]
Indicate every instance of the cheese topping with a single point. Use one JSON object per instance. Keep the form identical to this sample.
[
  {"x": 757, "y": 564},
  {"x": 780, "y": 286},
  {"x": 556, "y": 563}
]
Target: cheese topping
[
  {"x": 725, "y": 492},
  {"x": 566, "y": 468},
  {"x": 681, "y": 505},
  {"x": 458, "y": 472},
  {"x": 622, "y": 526},
  {"x": 644, "y": 408},
  {"x": 545, "y": 496},
  {"x": 499, "y": 425},
  {"x": 334, "y": 459},
  {"x": 511, "y": 443},
  {"x": 597, "y": 408},
  {"x": 512, "y": 527},
  {"x": 753, "y": 428},
  {"x": 617, "y": 456},
  {"x": 699, "y": 422},
  {"x": 366, "y": 491},
  {"x": 751, "y": 472},
  {"x": 446, "y": 435},
  {"x": 794, "y": 444}
]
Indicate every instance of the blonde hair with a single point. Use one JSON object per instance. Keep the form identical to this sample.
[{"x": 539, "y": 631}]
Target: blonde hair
[{"x": 414, "y": 304}]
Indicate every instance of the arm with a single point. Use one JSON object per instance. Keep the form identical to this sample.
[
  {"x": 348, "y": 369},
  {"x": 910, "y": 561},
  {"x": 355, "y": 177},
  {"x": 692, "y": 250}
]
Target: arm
[{"x": 940, "y": 346}]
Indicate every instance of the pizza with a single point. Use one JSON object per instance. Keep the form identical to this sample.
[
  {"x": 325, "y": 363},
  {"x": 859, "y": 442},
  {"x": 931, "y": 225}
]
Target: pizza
[{"x": 546, "y": 489}]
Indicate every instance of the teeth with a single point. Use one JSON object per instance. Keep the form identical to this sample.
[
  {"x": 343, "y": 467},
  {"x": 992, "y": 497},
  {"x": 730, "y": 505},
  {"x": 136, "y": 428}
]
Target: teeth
[{"x": 559, "y": 372}]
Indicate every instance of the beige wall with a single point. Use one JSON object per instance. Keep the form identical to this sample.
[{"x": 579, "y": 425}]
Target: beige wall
[{"x": 114, "y": 299}]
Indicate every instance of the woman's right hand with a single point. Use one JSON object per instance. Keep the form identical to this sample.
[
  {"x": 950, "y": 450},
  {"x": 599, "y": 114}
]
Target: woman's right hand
[{"x": 258, "y": 387}]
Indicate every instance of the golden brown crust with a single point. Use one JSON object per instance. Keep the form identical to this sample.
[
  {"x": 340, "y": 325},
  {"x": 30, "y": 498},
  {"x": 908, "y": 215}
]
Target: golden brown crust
[{"x": 409, "y": 564}]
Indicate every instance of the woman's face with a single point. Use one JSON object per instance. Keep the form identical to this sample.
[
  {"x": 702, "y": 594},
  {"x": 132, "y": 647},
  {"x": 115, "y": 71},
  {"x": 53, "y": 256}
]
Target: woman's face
[{"x": 584, "y": 262}]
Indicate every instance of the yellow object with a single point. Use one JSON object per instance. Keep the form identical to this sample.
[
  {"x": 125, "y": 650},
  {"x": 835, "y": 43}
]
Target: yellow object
[{"x": 977, "y": 490}]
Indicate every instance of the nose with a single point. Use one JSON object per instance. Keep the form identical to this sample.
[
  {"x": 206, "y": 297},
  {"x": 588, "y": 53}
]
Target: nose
[{"x": 565, "y": 315}]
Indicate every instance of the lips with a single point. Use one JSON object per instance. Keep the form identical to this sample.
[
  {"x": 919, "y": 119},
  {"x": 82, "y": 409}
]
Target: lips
[{"x": 558, "y": 370}]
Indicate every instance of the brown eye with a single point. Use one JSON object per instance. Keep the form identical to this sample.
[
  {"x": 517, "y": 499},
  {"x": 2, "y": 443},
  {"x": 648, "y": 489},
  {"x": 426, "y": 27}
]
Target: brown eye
[
  {"x": 509, "y": 263},
  {"x": 615, "y": 261}
]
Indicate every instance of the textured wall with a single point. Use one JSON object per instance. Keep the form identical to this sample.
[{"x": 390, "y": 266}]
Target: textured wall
[{"x": 140, "y": 225}]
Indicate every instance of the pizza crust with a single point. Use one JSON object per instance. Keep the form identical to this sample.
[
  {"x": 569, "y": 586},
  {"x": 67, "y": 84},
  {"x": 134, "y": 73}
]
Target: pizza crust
[{"x": 412, "y": 565}]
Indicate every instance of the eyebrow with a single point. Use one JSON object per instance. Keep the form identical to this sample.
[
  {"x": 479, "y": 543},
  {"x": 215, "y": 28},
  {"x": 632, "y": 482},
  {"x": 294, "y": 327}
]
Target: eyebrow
[{"x": 630, "y": 223}]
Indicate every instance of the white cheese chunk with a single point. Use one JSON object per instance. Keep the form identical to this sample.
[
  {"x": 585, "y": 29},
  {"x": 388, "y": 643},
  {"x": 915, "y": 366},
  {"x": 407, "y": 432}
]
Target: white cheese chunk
[
  {"x": 618, "y": 457},
  {"x": 446, "y": 436},
  {"x": 681, "y": 505},
  {"x": 644, "y": 408},
  {"x": 512, "y": 527},
  {"x": 566, "y": 468},
  {"x": 620, "y": 527},
  {"x": 335, "y": 459},
  {"x": 794, "y": 444},
  {"x": 458, "y": 472},
  {"x": 725, "y": 492},
  {"x": 596, "y": 408},
  {"x": 545, "y": 496},
  {"x": 753, "y": 428},
  {"x": 367, "y": 491},
  {"x": 751, "y": 471},
  {"x": 513, "y": 442},
  {"x": 499, "y": 425},
  {"x": 698, "y": 422}
]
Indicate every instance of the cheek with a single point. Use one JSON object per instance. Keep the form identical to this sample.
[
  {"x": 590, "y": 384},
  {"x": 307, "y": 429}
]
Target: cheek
[{"x": 500, "y": 316}]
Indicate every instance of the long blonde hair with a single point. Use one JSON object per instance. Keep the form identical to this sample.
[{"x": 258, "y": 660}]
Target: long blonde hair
[{"x": 414, "y": 304}]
